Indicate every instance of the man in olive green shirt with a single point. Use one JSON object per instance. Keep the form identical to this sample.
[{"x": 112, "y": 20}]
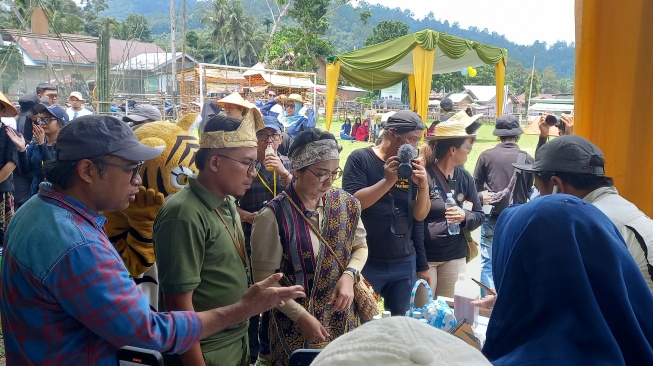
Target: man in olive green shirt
[{"x": 199, "y": 242}]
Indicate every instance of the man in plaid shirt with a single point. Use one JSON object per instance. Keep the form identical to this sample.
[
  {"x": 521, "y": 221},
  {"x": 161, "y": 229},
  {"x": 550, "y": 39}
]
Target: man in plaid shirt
[{"x": 67, "y": 298}]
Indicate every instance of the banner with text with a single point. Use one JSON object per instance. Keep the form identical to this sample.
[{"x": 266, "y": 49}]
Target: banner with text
[{"x": 392, "y": 93}]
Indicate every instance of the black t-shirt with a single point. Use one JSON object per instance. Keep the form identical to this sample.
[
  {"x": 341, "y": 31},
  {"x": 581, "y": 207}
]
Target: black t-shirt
[
  {"x": 364, "y": 169},
  {"x": 439, "y": 245},
  {"x": 494, "y": 170}
]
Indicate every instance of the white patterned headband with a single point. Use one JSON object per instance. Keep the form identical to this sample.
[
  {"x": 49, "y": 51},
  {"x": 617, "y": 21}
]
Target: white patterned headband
[{"x": 315, "y": 152}]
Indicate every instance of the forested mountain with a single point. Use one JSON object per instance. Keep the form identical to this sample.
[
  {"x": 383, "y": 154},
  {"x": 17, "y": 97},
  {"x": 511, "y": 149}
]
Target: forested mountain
[{"x": 347, "y": 32}]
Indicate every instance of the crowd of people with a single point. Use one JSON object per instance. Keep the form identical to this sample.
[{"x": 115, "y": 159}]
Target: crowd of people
[{"x": 259, "y": 255}]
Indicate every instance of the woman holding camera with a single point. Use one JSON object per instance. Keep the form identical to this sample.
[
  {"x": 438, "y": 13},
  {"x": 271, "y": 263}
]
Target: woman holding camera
[
  {"x": 313, "y": 234},
  {"x": 444, "y": 156}
]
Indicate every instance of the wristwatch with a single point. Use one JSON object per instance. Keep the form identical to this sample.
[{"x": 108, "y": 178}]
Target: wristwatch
[{"x": 355, "y": 272}]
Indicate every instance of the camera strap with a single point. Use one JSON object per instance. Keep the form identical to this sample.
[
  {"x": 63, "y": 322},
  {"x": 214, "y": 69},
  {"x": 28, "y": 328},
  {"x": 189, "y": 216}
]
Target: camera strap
[
  {"x": 440, "y": 177},
  {"x": 409, "y": 206}
]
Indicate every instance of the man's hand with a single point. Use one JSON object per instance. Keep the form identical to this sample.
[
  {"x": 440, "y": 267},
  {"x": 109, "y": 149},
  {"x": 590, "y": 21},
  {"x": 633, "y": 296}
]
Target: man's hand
[
  {"x": 390, "y": 167},
  {"x": 249, "y": 217},
  {"x": 544, "y": 128},
  {"x": 343, "y": 294},
  {"x": 273, "y": 161},
  {"x": 568, "y": 120},
  {"x": 425, "y": 275},
  {"x": 420, "y": 177},
  {"x": 487, "y": 302},
  {"x": 311, "y": 329},
  {"x": 487, "y": 197},
  {"x": 263, "y": 296}
]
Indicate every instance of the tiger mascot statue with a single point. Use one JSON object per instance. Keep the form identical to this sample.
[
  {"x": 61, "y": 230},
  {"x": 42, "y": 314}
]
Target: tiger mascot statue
[{"x": 130, "y": 230}]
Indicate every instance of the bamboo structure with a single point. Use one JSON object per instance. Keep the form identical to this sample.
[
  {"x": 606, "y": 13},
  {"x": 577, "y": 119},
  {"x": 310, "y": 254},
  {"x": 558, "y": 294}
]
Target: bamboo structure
[{"x": 102, "y": 74}]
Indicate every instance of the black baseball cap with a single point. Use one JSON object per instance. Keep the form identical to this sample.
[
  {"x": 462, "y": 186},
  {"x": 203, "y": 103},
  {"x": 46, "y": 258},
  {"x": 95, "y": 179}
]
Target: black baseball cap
[
  {"x": 566, "y": 154},
  {"x": 92, "y": 136},
  {"x": 27, "y": 103}
]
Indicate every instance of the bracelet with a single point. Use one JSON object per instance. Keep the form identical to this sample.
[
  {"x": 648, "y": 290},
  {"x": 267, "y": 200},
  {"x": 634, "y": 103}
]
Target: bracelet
[{"x": 286, "y": 175}]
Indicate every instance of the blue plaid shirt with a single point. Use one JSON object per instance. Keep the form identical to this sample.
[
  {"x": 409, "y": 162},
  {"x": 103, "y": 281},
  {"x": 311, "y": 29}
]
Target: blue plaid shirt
[{"x": 67, "y": 298}]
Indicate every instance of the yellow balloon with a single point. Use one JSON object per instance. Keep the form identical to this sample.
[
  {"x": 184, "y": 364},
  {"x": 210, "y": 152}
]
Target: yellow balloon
[
  {"x": 472, "y": 73},
  {"x": 469, "y": 69}
]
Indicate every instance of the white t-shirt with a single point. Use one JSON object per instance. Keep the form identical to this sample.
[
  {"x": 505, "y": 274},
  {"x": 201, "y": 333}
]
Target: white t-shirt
[{"x": 82, "y": 112}]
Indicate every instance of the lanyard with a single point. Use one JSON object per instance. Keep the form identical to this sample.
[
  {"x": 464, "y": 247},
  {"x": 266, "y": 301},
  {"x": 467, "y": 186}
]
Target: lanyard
[{"x": 274, "y": 179}]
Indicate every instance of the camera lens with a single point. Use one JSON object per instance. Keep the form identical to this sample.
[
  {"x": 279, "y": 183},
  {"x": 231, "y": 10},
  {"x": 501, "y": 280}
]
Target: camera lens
[{"x": 552, "y": 120}]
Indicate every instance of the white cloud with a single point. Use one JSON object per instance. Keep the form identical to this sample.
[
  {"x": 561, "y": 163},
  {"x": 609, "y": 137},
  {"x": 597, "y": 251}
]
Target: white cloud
[{"x": 521, "y": 21}]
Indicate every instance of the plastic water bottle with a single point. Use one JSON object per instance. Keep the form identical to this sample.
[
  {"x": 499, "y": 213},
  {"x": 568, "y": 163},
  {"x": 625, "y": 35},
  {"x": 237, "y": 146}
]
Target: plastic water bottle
[
  {"x": 452, "y": 227},
  {"x": 465, "y": 291}
]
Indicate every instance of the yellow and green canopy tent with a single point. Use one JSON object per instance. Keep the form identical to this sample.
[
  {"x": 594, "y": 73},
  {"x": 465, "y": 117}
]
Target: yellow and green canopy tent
[{"x": 417, "y": 56}]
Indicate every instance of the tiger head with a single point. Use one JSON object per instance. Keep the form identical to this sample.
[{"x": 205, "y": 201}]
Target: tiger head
[{"x": 169, "y": 172}]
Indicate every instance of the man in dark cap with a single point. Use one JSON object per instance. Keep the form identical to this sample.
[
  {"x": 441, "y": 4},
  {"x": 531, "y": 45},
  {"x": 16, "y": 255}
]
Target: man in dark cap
[
  {"x": 76, "y": 284},
  {"x": 395, "y": 235},
  {"x": 493, "y": 174},
  {"x": 573, "y": 165}
]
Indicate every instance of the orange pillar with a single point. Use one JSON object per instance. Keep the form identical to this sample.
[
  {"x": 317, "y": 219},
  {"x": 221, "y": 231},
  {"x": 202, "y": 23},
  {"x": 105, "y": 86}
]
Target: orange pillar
[{"x": 614, "y": 90}]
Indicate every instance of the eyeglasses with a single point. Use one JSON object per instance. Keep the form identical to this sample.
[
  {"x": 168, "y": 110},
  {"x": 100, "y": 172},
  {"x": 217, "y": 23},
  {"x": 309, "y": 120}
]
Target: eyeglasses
[
  {"x": 252, "y": 167},
  {"x": 335, "y": 175},
  {"x": 52, "y": 96},
  {"x": 272, "y": 95},
  {"x": 264, "y": 137},
  {"x": 289, "y": 105},
  {"x": 134, "y": 170},
  {"x": 46, "y": 120},
  {"x": 467, "y": 147}
]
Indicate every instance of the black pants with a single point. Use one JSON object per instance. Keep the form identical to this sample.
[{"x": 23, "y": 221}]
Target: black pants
[{"x": 259, "y": 340}]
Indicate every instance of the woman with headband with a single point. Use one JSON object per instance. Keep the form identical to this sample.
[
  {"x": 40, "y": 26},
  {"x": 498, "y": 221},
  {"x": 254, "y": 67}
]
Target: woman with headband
[{"x": 313, "y": 234}]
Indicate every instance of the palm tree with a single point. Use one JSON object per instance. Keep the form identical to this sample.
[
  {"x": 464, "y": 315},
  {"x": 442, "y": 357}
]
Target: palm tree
[
  {"x": 254, "y": 39},
  {"x": 216, "y": 18},
  {"x": 236, "y": 27}
]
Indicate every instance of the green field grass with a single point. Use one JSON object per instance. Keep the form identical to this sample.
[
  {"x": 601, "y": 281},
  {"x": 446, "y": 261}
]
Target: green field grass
[{"x": 484, "y": 140}]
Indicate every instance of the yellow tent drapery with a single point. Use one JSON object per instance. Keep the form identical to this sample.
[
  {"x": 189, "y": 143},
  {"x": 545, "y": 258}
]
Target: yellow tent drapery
[
  {"x": 417, "y": 56},
  {"x": 613, "y": 89}
]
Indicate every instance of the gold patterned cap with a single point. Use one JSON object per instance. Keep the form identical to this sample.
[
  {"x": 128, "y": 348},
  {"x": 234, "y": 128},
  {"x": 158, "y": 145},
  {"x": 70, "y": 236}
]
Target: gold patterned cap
[{"x": 244, "y": 136}]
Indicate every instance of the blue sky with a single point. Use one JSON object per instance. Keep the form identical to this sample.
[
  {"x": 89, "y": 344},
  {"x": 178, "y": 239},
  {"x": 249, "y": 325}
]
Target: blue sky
[{"x": 521, "y": 21}]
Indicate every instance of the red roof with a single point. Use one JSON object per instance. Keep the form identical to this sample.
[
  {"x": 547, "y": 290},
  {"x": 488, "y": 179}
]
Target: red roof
[{"x": 81, "y": 52}]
